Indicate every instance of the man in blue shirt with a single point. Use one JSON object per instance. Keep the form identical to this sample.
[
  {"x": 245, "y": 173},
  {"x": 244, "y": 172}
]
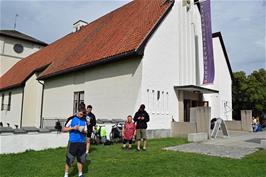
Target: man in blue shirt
[{"x": 77, "y": 128}]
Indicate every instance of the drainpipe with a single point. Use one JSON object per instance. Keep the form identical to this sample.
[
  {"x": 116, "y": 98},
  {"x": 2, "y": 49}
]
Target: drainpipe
[
  {"x": 41, "y": 119},
  {"x": 21, "y": 112}
]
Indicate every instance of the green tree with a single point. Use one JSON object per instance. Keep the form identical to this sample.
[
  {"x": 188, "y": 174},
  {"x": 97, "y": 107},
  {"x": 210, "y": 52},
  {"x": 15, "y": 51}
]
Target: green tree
[{"x": 249, "y": 92}]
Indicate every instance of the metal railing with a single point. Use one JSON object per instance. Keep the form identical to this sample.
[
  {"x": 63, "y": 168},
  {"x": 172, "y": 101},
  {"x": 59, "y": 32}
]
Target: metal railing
[{"x": 50, "y": 122}]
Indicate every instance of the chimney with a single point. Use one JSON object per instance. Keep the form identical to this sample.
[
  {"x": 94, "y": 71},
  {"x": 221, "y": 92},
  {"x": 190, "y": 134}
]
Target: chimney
[{"x": 77, "y": 25}]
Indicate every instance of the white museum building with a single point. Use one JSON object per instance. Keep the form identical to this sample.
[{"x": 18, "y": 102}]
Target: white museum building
[{"x": 145, "y": 52}]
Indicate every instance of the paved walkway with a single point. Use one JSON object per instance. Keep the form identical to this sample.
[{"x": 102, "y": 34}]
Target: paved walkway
[{"x": 238, "y": 145}]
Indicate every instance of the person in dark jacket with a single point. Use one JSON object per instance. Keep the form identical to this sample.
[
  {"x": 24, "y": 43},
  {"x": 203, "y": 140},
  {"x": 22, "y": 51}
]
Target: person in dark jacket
[
  {"x": 141, "y": 118},
  {"x": 91, "y": 122}
]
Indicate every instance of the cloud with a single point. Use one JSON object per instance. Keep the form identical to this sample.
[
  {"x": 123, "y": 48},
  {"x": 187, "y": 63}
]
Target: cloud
[
  {"x": 51, "y": 20},
  {"x": 242, "y": 24}
]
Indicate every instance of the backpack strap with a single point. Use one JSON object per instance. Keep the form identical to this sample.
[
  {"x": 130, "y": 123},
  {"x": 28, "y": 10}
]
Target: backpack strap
[{"x": 68, "y": 119}]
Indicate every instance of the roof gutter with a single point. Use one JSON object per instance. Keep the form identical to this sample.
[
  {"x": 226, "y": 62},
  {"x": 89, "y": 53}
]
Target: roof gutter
[
  {"x": 22, "y": 84},
  {"x": 22, "y": 106},
  {"x": 117, "y": 57},
  {"x": 13, "y": 86},
  {"x": 41, "y": 113}
]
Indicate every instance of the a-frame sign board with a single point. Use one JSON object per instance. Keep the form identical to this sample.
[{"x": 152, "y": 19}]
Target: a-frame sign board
[{"x": 219, "y": 124}]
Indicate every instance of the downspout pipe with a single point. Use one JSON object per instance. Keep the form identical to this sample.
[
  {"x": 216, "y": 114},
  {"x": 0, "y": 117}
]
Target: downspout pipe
[
  {"x": 41, "y": 119},
  {"x": 21, "y": 111}
]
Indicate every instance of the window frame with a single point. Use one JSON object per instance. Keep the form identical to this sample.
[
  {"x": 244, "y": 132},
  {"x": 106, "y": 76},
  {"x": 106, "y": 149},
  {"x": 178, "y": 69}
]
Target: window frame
[
  {"x": 3, "y": 101},
  {"x": 9, "y": 101},
  {"x": 77, "y": 101}
]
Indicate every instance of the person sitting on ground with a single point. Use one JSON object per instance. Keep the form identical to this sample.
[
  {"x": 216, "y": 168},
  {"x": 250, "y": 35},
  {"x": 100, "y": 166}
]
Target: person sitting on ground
[
  {"x": 128, "y": 132},
  {"x": 257, "y": 126},
  {"x": 77, "y": 141},
  {"x": 141, "y": 118},
  {"x": 254, "y": 123}
]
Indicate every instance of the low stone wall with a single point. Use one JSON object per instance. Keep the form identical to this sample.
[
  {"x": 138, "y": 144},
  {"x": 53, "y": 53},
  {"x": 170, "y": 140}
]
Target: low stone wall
[
  {"x": 15, "y": 143},
  {"x": 200, "y": 122},
  {"x": 233, "y": 125},
  {"x": 242, "y": 125},
  {"x": 246, "y": 120},
  {"x": 182, "y": 129},
  {"x": 158, "y": 133},
  {"x": 11, "y": 142}
]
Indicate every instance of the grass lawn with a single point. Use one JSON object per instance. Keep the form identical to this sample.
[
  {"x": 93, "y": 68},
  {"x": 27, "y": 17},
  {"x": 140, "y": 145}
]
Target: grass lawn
[{"x": 112, "y": 161}]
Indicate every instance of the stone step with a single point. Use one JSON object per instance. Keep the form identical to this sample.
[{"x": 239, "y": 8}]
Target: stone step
[
  {"x": 197, "y": 137},
  {"x": 263, "y": 144}
]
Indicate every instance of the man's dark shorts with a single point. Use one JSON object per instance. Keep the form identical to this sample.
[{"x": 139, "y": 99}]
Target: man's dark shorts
[
  {"x": 89, "y": 132},
  {"x": 76, "y": 150}
]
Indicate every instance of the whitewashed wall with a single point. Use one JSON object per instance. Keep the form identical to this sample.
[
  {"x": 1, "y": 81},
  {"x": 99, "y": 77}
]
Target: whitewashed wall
[
  {"x": 8, "y": 57},
  {"x": 16, "y": 143},
  {"x": 169, "y": 60},
  {"x": 13, "y": 116},
  {"x": 221, "y": 102},
  {"x": 112, "y": 89},
  {"x": 32, "y": 102}
]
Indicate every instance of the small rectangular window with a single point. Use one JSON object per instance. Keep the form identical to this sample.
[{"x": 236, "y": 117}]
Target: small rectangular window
[
  {"x": 158, "y": 102},
  {"x": 153, "y": 100},
  {"x": 81, "y": 97},
  {"x": 167, "y": 100},
  {"x": 158, "y": 95},
  {"x": 162, "y": 102},
  {"x": 2, "y": 103},
  {"x": 78, "y": 98},
  {"x": 9, "y": 101},
  {"x": 148, "y": 99}
]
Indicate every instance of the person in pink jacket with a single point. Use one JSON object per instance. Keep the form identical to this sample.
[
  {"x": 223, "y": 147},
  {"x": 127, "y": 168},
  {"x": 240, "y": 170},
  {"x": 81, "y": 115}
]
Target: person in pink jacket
[{"x": 128, "y": 132}]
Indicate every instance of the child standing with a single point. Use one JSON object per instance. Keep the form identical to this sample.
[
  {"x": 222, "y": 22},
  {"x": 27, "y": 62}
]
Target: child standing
[{"x": 128, "y": 132}]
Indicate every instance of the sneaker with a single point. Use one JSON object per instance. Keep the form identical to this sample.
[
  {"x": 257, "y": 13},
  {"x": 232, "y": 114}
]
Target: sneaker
[
  {"x": 144, "y": 149},
  {"x": 81, "y": 176},
  {"x": 138, "y": 149}
]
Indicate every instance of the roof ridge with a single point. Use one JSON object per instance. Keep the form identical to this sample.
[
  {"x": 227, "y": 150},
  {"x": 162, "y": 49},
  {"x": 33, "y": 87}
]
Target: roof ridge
[{"x": 22, "y": 36}]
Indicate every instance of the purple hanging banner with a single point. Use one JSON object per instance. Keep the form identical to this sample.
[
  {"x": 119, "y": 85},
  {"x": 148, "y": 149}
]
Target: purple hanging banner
[{"x": 205, "y": 11}]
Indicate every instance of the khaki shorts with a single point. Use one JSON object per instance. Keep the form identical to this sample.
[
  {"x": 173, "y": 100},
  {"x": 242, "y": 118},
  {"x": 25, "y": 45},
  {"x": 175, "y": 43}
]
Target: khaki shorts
[{"x": 141, "y": 134}]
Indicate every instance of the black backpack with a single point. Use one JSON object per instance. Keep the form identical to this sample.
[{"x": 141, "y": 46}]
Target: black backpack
[
  {"x": 108, "y": 142},
  {"x": 58, "y": 126}
]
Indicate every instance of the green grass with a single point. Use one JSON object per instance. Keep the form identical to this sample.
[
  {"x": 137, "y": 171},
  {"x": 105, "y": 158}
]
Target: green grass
[{"x": 111, "y": 161}]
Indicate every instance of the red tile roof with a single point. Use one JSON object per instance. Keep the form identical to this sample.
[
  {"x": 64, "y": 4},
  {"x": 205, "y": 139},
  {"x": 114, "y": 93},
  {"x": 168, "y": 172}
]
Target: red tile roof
[{"x": 121, "y": 32}]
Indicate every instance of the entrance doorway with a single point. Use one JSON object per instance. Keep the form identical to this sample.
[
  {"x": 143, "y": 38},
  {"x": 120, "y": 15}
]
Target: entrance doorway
[{"x": 190, "y": 104}]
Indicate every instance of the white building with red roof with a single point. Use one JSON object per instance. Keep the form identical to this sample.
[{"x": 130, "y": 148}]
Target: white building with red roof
[{"x": 145, "y": 52}]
